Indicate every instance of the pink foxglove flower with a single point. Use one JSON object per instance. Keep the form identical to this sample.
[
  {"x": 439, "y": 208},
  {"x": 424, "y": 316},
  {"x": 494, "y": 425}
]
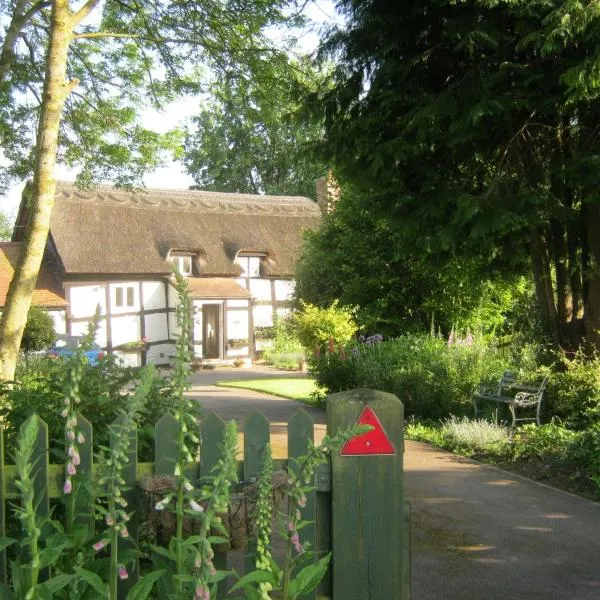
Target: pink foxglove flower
[
  {"x": 195, "y": 506},
  {"x": 80, "y": 438},
  {"x": 64, "y": 413},
  {"x": 70, "y": 435},
  {"x": 291, "y": 526},
  {"x": 100, "y": 544},
  {"x": 124, "y": 532},
  {"x": 295, "y": 539},
  {"x": 109, "y": 520},
  {"x": 76, "y": 458},
  {"x": 71, "y": 470},
  {"x": 123, "y": 574},
  {"x": 302, "y": 501},
  {"x": 68, "y": 486}
]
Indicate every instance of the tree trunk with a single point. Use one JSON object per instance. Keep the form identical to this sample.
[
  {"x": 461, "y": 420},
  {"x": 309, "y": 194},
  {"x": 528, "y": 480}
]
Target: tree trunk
[
  {"x": 56, "y": 91},
  {"x": 543, "y": 282},
  {"x": 564, "y": 299},
  {"x": 591, "y": 319}
]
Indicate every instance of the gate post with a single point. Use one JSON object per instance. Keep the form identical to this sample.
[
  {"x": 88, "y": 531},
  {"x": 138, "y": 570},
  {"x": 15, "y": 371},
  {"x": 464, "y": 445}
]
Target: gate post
[{"x": 368, "y": 498}]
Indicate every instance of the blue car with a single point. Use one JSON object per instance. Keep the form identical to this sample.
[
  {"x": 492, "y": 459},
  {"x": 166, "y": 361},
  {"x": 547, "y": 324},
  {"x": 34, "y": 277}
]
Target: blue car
[{"x": 66, "y": 345}]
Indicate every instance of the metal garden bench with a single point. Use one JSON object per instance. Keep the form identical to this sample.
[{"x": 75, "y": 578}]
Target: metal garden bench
[{"x": 514, "y": 395}]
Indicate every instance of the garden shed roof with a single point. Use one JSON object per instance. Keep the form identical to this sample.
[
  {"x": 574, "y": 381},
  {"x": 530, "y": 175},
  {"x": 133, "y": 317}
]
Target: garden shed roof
[{"x": 47, "y": 293}]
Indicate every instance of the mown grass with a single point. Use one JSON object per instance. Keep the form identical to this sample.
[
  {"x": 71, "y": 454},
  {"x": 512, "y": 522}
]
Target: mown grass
[{"x": 299, "y": 389}]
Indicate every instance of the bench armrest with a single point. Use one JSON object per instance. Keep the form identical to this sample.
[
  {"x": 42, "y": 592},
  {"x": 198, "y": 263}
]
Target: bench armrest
[
  {"x": 527, "y": 399},
  {"x": 483, "y": 390}
]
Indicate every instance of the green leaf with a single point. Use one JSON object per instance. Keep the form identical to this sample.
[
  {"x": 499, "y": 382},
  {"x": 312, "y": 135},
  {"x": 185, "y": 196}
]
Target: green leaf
[
  {"x": 95, "y": 581},
  {"x": 257, "y": 576},
  {"x": 55, "y": 584},
  {"x": 308, "y": 579},
  {"x": 144, "y": 586},
  {"x": 5, "y": 593},
  {"x": 5, "y": 542}
]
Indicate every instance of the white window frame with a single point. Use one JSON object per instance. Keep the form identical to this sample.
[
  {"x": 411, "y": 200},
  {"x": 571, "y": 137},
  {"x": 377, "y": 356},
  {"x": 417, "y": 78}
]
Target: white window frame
[
  {"x": 125, "y": 291},
  {"x": 243, "y": 260},
  {"x": 183, "y": 262}
]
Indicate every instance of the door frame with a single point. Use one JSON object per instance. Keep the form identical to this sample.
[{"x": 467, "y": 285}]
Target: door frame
[{"x": 218, "y": 309}]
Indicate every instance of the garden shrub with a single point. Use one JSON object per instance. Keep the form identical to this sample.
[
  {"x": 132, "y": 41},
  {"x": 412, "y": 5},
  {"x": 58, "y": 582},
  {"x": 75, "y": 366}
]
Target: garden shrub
[
  {"x": 39, "y": 330},
  {"x": 432, "y": 378},
  {"x": 316, "y": 326},
  {"x": 574, "y": 390},
  {"x": 104, "y": 395},
  {"x": 286, "y": 350}
]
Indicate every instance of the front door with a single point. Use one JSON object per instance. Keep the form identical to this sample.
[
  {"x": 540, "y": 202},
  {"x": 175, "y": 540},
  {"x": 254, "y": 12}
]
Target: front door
[{"x": 210, "y": 331}]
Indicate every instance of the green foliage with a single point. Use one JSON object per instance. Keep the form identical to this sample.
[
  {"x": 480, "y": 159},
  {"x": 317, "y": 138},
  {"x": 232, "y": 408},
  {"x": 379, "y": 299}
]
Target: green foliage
[
  {"x": 41, "y": 390},
  {"x": 39, "y": 331},
  {"x": 248, "y": 138},
  {"x": 470, "y": 128},
  {"x": 6, "y": 228},
  {"x": 432, "y": 378},
  {"x": 286, "y": 350},
  {"x": 316, "y": 326},
  {"x": 127, "y": 59},
  {"x": 358, "y": 257}
]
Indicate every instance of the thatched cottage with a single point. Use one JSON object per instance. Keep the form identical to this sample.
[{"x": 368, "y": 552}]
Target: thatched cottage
[{"x": 115, "y": 249}]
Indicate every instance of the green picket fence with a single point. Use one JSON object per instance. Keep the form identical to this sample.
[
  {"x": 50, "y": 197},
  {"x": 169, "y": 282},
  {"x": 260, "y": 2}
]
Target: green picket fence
[{"x": 49, "y": 479}]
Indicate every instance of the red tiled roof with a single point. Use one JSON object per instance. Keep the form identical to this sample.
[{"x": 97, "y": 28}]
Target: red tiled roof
[{"x": 47, "y": 291}]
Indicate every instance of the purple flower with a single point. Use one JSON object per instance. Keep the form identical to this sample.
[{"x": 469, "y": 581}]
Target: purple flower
[
  {"x": 100, "y": 544},
  {"x": 123, "y": 574},
  {"x": 68, "y": 487},
  {"x": 71, "y": 470},
  {"x": 295, "y": 539}
]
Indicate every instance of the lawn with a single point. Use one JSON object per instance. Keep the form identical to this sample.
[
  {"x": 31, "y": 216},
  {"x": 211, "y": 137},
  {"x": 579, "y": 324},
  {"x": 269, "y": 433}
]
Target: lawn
[{"x": 293, "y": 388}]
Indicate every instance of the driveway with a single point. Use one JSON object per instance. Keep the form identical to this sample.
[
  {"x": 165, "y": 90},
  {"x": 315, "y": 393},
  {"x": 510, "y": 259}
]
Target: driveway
[
  {"x": 237, "y": 404},
  {"x": 479, "y": 533}
]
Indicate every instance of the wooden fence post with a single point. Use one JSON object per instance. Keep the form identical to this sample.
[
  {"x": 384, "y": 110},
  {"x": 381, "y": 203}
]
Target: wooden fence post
[{"x": 368, "y": 499}]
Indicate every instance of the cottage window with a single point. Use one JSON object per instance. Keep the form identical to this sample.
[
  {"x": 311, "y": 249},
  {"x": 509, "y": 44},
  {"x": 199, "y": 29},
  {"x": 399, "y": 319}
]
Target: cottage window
[
  {"x": 124, "y": 294},
  {"x": 183, "y": 263},
  {"x": 250, "y": 265}
]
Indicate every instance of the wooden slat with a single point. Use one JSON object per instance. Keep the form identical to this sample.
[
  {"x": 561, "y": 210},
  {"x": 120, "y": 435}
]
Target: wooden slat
[
  {"x": 368, "y": 494},
  {"x": 212, "y": 430},
  {"x": 129, "y": 474},
  {"x": 3, "y": 564},
  {"x": 166, "y": 450},
  {"x": 300, "y": 435},
  {"x": 406, "y": 550},
  {"x": 256, "y": 437}
]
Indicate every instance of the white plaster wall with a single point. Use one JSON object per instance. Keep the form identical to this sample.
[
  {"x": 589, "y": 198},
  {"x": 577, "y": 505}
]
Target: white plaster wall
[
  {"x": 155, "y": 327},
  {"x": 85, "y": 298},
  {"x": 173, "y": 328},
  {"x": 242, "y": 281},
  {"x": 129, "y": 359},
  {"x": 260, "y": 288},
  {"x": 60, "y": 321},
  {"x": 237, "y": 303},
  {"x": 114, "y": 309},
  {"x": 284, "y": 289},
  {"x": 263, "y": 315},
  {"x": 125, "y": 329},
  {"x": 282, "y": 313},
  {"x": 172, "y": 294},
  {"x": 237, "y": 328},
  {"x": 198, "y": 350},
  {"x": 160, "y": 354},
  {"x": 81, "y": 327},
  {"x": 154, "y": 295},
  {"x": 197, "y": 307}
]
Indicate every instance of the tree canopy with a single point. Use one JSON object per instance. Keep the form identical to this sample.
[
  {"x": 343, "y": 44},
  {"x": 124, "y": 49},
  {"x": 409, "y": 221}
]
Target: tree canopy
[
  {"x": 249, "y": 138},
  {"x": 474, "y": 128}
]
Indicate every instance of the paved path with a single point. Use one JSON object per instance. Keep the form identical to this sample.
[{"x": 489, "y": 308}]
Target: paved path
[
  {"x": 232, "y": 403},
  {"x": 479, "y": 533}
]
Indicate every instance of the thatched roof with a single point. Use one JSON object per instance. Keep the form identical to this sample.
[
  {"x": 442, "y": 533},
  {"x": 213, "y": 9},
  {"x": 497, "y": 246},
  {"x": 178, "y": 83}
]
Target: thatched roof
[
  {"x": 110, "y": 231},
  {"x": 216, "y": 287},
  {"x": 47, "y": 293}
]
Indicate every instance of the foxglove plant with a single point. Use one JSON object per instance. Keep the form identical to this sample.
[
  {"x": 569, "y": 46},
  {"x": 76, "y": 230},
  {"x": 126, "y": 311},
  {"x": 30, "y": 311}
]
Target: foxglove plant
[
  {"x": 111, "y": 505},
  {"x": 288, "y": 580}
]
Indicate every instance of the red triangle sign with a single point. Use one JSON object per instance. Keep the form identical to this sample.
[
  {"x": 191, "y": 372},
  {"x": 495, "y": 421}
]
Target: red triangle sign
[{"x": 375, "y": 441}]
